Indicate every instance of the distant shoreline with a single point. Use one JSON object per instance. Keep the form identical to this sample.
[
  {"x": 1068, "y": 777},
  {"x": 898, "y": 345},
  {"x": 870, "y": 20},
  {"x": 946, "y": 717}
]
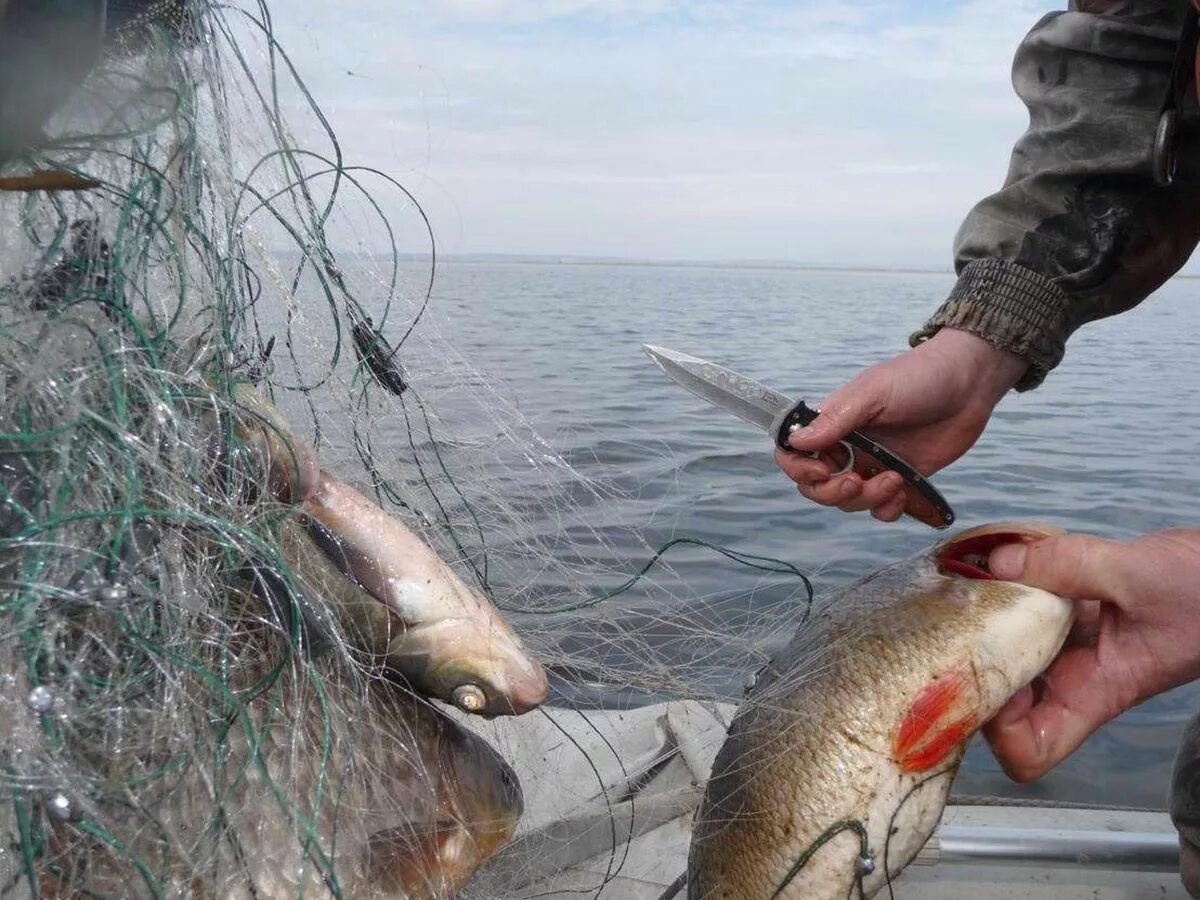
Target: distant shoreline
[{"x": 631, "y": 262}]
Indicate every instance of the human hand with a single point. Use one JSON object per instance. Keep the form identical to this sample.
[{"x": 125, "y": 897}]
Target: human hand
[
  {"x": 928, "y": 405},
  {"x": 1137, "y": 634}
]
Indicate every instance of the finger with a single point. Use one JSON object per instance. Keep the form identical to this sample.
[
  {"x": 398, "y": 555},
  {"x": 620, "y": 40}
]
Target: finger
[
  {"x": 844, "y": 410},
  {"x": 1085, "y": 632},
  {"x": 1044, "y": 724},
  {"x": 891, "y": 510},
  {"x": 802, "y": 469},
  {"x": 834, "y": 491},
  {"x": 875, "y": 492},
  {"x": 1071, "y": 565},
  {"x": 1018, "y": 706}
]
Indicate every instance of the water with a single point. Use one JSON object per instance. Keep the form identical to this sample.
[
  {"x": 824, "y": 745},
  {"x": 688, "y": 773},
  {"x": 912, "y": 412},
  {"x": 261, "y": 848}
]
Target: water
[{"x": 1102, "y": 447}]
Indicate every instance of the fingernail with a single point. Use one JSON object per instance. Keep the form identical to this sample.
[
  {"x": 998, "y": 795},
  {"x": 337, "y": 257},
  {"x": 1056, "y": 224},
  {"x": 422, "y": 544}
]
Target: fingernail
[
  {"x": 847, "y": 488},
  {"x": 1008, "y": 562},
  {"x": 798, "y": 435}
]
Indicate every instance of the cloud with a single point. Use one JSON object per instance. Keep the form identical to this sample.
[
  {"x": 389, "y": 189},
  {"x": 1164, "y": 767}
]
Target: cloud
[
  {"x": 541, "y": 11},
  {"x": 624, "y": 13},
  {"x": 891, "y": 168},
  {"x": 818, "y": 132}
]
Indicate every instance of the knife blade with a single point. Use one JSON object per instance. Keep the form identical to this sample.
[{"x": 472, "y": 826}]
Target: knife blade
[{"x": 779, "y": 416}]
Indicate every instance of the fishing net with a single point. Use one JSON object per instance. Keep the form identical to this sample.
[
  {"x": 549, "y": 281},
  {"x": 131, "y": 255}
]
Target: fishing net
[{"x": 175, "y": 701}]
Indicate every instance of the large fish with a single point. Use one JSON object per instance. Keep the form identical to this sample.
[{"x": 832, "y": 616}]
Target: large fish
[
  {"x": 448, "y": 639},
  {"x": 356, "y": 791},
  {"x": 839, "y": 761}
]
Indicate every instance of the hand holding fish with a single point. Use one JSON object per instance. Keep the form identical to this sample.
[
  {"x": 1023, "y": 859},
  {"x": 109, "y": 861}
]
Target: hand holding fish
[
  {"x": 929, "y": 405},
  {"x": 1136, "y": 635}
]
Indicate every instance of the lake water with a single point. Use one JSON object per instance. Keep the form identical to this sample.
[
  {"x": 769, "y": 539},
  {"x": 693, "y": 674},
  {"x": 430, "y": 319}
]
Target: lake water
[{"x": 1101, "y": 447}]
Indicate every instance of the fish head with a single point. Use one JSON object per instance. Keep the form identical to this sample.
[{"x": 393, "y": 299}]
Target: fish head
[
  {"x": 947, "y": 585},
  {"x": 477, "y": 805},
  {"x": 945, "y": 596},
  {"x": 478, "y": 664},
  {"x": 487, "y": 799}
]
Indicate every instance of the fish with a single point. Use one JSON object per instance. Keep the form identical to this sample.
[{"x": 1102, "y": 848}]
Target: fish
[
  {"x": 395, "y": 597},
  {"x": 478, "y": 804},
  {"x": 392, "y": 799},
  {"x": 447, "y": 639},
  {"x": 840, "y": 758}
]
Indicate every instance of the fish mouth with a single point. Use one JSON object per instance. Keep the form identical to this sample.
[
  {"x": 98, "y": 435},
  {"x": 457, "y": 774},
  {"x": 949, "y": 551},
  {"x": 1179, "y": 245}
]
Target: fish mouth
[
  {"x": 528, "y": 695},
  {"x": 966, "y": 555}
]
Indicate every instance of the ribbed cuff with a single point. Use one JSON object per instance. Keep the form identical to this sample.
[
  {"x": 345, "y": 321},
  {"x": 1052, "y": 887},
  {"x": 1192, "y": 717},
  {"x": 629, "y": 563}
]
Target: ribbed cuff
[{"x": 1010, "y": 306}]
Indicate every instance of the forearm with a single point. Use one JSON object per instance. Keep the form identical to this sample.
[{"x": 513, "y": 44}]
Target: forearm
[{"x": 1079, "y": 231}]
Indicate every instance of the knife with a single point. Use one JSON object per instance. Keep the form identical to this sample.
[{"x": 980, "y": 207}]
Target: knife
[{"x": 779, "y": 416}]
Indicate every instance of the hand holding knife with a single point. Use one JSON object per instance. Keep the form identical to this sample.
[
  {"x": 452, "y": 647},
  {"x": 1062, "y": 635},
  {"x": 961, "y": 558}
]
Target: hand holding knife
[{"x": 779, "y": 416}]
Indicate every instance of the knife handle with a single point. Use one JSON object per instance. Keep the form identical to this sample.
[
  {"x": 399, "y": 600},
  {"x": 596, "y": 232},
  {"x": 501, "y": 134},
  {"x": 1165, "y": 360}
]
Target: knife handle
[{"x": 923, "y": 501}]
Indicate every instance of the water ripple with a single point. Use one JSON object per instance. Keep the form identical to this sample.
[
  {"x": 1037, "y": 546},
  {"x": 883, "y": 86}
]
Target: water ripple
[{"x": 1101, "y": 447}]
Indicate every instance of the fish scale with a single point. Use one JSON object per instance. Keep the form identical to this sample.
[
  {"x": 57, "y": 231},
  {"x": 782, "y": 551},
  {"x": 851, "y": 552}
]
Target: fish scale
[{"x": 859, "y": 725}]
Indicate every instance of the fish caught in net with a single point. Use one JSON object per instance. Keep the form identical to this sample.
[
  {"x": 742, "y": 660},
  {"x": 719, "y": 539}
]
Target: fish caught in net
[{"x": 235, "y": 449}]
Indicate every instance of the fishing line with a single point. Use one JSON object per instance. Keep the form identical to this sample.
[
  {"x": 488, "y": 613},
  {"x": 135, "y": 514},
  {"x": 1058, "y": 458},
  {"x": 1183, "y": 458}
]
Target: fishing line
[
  {"x": 138, "y": 221},
  {"x": 749, "y": 560},
  {"x": 674, "y": 887},
  {"x": 865, "y": 863},
  {"x": 827, "y": 835},
  {"x": 612, "y": 819},
  {"x": 610, "y": 872},
  {"x": 887, "y": 843}
]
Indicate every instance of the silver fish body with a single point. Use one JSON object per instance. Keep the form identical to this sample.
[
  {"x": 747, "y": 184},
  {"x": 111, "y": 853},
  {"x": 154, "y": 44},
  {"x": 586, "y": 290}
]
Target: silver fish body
[
  {"x": 840, "y": 759},
  {"x": 448, "y": 639}
]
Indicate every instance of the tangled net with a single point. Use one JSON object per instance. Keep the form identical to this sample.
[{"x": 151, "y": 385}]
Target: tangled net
[{"x": 174, "y": 702}]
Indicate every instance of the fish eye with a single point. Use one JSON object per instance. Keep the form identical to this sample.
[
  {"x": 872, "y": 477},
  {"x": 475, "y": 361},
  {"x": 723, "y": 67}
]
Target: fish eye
[{"x": 469, "y": 698}]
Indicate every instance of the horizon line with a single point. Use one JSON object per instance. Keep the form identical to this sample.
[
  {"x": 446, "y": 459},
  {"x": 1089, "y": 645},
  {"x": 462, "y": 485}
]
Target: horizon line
[{"x": 573, "y": 259}]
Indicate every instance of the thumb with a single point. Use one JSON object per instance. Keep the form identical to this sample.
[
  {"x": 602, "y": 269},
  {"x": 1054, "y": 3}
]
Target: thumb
[
  {"x": 1047, "y": 722},
  {"x": 844, "y": 410},
  {"x": 1077, "y": 566}
]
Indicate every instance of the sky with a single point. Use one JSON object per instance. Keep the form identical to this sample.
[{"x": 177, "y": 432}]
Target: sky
[{"x": 813, "y": 132}]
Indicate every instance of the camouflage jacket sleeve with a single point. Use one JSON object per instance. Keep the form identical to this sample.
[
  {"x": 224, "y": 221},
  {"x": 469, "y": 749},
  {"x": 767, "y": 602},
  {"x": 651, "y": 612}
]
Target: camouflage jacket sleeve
[{"x": 1079, "y": 231}]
